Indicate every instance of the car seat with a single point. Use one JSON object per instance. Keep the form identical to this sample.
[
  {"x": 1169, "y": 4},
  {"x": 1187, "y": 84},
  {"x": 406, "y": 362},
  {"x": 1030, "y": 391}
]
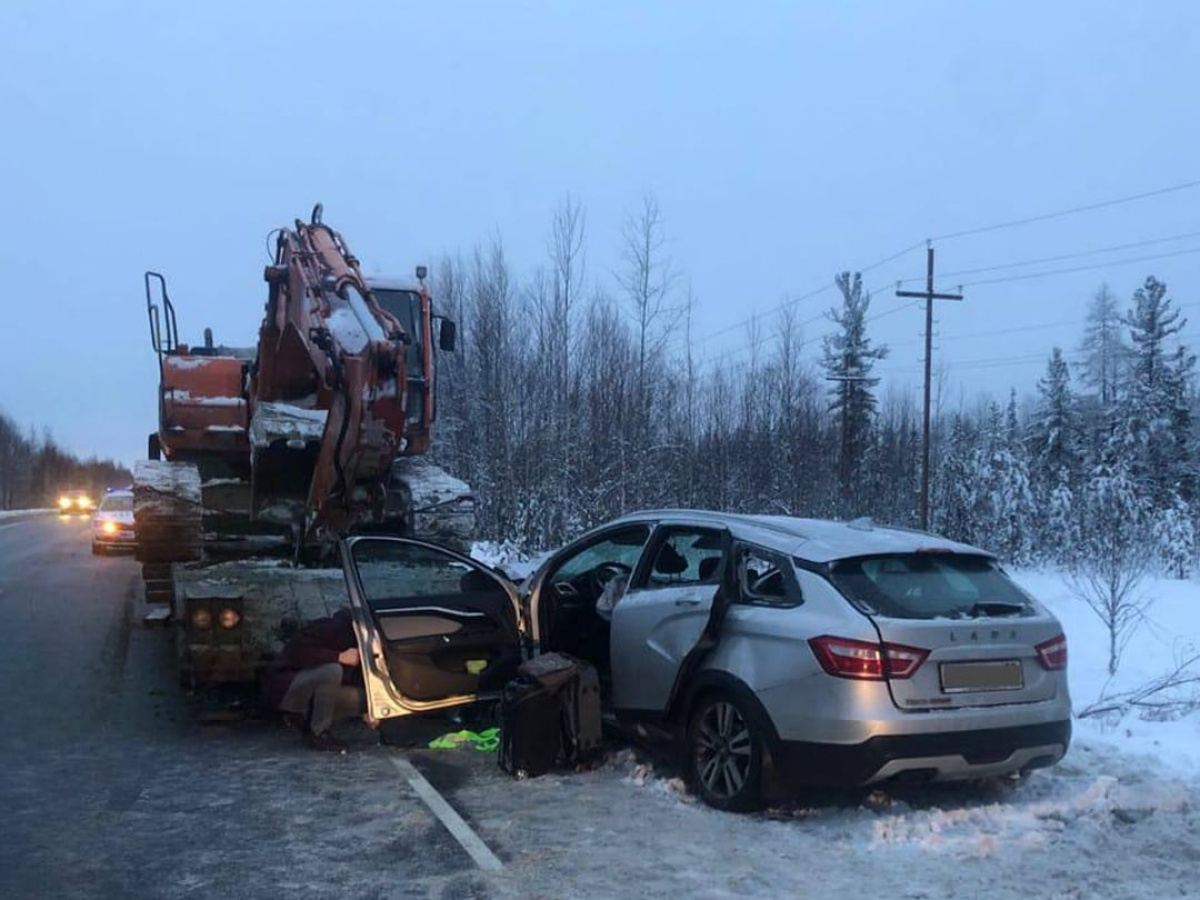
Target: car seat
[{"x": 670, "y": 561}]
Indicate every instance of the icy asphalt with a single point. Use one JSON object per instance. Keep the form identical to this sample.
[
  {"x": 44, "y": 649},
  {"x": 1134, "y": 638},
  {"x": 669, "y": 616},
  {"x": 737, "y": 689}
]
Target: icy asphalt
[{"x": 110, "y": 789}]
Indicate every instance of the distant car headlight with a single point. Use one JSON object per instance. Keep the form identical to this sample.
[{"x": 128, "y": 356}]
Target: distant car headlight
[
  {"x": 229, "y": 618},
  {"x": 64, "y": 502},
  {"x": 85, "y": 502},
  {"x": 109, "y": 526},
  {"x": 201, "y": 618}
]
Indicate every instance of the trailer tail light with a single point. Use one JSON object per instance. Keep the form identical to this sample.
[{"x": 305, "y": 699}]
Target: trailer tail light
[
  {"x": 1052, "y": 654},
  {"x": 866, "y": 661}
]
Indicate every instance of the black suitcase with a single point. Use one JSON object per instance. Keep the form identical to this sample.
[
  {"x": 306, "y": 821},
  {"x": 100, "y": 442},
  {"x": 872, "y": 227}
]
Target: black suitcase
[{"x": 531, "y": 730}]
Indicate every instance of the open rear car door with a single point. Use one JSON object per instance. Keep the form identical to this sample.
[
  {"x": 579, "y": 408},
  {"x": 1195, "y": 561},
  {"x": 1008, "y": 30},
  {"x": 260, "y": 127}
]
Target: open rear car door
[
  {"x": 671, "y": 615},
  {"x": 435, "y": 628}
]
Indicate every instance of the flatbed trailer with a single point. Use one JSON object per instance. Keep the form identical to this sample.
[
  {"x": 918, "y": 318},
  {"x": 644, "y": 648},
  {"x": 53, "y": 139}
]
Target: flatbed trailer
[{"x": 231, "y": 618}]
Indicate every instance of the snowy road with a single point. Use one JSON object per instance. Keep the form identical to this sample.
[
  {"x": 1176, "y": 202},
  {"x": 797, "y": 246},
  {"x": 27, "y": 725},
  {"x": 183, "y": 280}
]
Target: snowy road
[{"x": 110, "y": 791}]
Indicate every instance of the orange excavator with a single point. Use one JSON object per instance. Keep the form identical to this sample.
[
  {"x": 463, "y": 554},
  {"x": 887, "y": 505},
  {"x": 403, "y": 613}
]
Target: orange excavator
[{"x": 277, "y": 451}]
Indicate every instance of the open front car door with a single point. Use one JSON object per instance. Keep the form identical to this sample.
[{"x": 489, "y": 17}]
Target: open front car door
[{"x": 435, "y": 628}]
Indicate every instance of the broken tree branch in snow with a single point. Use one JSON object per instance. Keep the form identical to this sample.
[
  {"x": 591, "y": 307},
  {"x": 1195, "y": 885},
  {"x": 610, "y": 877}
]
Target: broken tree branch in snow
[{"x": 1160, "y": 696}]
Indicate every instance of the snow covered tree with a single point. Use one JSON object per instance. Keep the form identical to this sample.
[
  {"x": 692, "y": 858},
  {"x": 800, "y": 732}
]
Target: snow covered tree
[
  {"x": 848, "y": 360},
  {"x": 1060, "y": 533},
  {"x": 1005, "y": 501},
  {"x": 952, "y": 487},
  {"x": 1175, "y": 538},
  {"x": 1115, "y": 554},
  {"x": 1147, "y": 404},
  {"x": 647, "y": 279},
  {"x": 1054, "y": 457},
  {"x": 1103, "y": 347},
  {"x": 1053, "y": 440},
  {"x": 1178, "y": 404}
]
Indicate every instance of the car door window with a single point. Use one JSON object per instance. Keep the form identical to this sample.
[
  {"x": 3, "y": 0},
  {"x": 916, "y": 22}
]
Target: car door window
[
  {"x": 622, "y": 548},
  {"x": 766, "y": 578},
  {"x": 568, "y": 618},
  {"x": 399, "y": 574},
  {"x": 683, "y": 555}
]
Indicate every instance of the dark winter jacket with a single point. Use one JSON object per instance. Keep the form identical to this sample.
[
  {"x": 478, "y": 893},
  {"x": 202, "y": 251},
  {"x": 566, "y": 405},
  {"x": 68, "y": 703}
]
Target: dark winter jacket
[{"x": 317, "y": 644}]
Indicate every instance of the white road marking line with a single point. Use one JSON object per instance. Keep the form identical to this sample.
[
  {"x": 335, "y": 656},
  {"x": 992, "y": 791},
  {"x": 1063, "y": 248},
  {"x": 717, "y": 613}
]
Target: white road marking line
[{"x": 470, "y": 841}]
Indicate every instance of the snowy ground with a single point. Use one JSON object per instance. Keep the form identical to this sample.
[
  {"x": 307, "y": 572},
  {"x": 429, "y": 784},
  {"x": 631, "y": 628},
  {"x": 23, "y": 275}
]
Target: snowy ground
[
  {"x": 1170, "y": 630},
  {"x": 20, "y": 513},
  {"x": 1118, "y": 818}
]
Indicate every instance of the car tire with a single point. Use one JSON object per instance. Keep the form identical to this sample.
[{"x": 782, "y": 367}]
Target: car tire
[
  {"x": 725, "y": 754},
  {"x": 97, "y": 550}
]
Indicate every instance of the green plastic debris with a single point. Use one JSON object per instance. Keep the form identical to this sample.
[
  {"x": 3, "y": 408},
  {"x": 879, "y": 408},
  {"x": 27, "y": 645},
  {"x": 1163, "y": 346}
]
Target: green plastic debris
[{"x": 486, "y": 740}]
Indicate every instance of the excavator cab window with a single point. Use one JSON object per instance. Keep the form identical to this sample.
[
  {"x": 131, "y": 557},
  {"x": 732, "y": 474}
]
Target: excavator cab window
[
  {"x": 448, "y": 335},
  {"x": 406, "y": 306}
]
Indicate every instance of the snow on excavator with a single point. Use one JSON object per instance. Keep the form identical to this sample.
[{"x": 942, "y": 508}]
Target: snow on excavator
[{"x": 279, "y": 450}]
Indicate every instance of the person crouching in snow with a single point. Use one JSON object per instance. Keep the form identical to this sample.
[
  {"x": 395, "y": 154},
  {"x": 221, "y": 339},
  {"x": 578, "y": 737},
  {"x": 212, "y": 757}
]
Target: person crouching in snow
[{"x": 318, "y": 676}]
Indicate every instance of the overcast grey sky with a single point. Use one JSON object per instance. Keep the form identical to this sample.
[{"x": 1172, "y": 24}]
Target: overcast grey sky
[{"x": 783, "y": 141}]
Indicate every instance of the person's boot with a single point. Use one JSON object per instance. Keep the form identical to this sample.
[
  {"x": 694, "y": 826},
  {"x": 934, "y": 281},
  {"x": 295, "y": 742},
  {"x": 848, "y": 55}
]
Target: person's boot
[{"x": 323, "y": 741}]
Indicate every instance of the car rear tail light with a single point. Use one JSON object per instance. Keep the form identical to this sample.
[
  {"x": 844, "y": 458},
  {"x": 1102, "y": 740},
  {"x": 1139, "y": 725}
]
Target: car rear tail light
[
  {"x": 1052, "y": 654},
  {"x": 201, "y": 618},
  {"x": 864, "y": 660}
]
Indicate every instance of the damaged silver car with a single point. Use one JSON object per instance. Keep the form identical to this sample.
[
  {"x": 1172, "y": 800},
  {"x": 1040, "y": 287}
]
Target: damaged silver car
[{"x": 837, "y": 653}]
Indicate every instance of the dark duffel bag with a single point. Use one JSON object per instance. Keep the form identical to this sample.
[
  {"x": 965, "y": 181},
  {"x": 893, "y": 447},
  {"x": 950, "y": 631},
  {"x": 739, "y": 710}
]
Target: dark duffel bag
[{"x": 531, "y": 729}]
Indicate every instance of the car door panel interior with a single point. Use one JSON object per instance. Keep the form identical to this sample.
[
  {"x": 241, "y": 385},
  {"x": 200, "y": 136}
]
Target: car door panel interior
[
  {"x": 415, "y": 626},
  {"x": 448, "y": 628}
]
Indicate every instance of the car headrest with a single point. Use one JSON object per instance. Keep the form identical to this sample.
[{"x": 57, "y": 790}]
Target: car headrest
[
  {"x": 707, "y": 569},
  {"x": 474, "y": 581},
  {"x": 670, "y": 561}
]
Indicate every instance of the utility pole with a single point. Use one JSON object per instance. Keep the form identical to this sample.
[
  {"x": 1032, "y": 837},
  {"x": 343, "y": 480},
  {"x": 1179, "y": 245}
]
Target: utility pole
[{"x": 928, "y": 296}]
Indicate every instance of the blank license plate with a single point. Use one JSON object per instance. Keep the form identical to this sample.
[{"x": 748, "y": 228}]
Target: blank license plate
[{"x": 993, "y": 675}]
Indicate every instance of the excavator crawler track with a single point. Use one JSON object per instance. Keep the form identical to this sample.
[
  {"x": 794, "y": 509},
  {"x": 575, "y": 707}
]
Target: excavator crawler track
[{"x": 431, "y": 504}]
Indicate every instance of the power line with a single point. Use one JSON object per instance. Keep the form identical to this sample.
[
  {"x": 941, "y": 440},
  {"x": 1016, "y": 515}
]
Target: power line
[
  {"x": 1013, "y": 223},
  {"x": 1059, "y": 258},
  {"x": 1074, "y": 210},
  {"x": 815, "y": 292},
  {"x": 985, "y": 363},
  {"x": 1103, "y": 265},
  {"x": 819, "y": 316},
  {"x": 1020, "y": 329},
  {"x": 998, "y": 332},
  {"x": 991, "y": 362}
]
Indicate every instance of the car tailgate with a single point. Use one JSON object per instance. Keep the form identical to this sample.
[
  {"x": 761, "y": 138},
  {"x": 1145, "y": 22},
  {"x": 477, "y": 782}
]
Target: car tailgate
[{"x": 974, "y": 662}]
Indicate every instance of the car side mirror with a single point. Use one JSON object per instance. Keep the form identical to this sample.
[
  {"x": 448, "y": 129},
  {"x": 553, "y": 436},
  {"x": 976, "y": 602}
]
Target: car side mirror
[{"x": 447, "y": 335}]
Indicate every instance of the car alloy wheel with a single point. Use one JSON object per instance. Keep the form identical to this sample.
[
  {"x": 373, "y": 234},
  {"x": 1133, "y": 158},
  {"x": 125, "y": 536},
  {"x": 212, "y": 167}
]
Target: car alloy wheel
[{"x": 725, "y": 755}]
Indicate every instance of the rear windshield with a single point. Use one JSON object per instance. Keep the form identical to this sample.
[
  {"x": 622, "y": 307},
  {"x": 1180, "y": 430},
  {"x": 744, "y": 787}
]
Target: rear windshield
[
  {"x": 117, "y": 503},
  {"x": 929, "y": 586}
]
